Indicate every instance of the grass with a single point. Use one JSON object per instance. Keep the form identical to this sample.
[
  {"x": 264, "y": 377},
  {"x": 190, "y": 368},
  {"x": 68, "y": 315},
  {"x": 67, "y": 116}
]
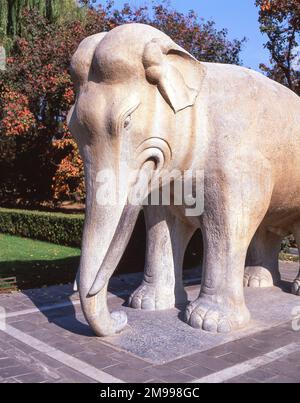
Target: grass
[
  {"x": 39, "y": 264},
  {"x": 36, "y": 263}
]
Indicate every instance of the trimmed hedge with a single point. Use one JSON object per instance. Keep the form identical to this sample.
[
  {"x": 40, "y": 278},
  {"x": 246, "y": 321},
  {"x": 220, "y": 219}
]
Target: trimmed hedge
[{"x": 58, "y": 228}]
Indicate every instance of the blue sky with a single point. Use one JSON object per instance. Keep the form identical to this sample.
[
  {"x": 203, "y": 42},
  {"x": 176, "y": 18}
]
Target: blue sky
[{"x": 240, "y": 17}]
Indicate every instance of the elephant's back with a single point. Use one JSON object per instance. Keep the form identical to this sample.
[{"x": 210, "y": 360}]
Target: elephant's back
[
  {"x": 252, "y": 108},
  {"x": 249, "y": 112},
  {"x": 248, "y": 87}
]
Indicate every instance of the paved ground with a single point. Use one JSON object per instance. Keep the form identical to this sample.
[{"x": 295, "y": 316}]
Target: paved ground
[{"x": 46, "y": 340}]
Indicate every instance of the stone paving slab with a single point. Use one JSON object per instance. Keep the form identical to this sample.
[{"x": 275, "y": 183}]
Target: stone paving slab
[
  {"x": 161, "y": 337},
  {"x": 47, "y": 340}
]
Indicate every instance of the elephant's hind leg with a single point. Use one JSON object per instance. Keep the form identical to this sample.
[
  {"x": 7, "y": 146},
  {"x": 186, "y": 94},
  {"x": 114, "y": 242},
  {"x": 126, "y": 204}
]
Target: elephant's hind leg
[
  {"x": 296, "y": 283},
  {"x": 167, "y": 239},
  {"x": 262, "y": 267}
]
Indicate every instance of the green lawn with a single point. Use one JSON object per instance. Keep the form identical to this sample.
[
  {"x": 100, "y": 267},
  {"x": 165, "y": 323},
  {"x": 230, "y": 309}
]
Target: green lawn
[
  {"x": 36, "y": 263},
  {"x": 39, "y": 264}
]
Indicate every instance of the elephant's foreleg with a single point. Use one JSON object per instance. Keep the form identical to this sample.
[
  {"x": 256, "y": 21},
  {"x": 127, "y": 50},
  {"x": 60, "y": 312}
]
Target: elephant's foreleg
[
  {"x": 262, "y": 266},
  {"x": 228, "y": 224},
  {"x": 167, "y": 239},
  {"x": 296, "y": 284}
]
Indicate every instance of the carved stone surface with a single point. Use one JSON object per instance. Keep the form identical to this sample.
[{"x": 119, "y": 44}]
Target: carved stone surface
[{"x": 145, "y": 107}]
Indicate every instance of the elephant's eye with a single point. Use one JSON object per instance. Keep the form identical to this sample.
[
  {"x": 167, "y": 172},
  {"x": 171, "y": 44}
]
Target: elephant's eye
[{"x": 127, "y": 121}]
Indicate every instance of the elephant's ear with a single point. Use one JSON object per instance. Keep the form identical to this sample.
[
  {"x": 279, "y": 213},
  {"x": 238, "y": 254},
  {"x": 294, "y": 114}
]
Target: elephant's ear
[
  {"x": 177, "y": 74},
  {"x": 83, "y": 57}
]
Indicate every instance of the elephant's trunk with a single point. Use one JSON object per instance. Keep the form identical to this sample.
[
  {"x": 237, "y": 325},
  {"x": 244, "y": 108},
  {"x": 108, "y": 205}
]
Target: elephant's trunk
[{"x": 101, "y": 252}]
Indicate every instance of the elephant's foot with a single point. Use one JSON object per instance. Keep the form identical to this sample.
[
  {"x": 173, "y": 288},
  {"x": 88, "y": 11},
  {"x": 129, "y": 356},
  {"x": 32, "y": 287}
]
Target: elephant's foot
[
  {"x": 259, "y": 277},
  {"x": 216, "y": 317},
  {"x": 296, "y": 287},
  {"x": 152, "y": 297}
]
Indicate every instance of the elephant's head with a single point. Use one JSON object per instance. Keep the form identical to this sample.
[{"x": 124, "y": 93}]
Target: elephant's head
[{"x": 131, "y": 85}]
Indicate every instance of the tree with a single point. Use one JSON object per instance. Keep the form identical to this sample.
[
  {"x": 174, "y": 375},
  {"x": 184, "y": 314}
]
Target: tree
[
  {"x": 11, "y": 14},
  {"x": 40, "y": 160},
  {"x": 35, "y": 95},
  {"x": 280, "y": 21},
  {"x": 3, "y": 17}
]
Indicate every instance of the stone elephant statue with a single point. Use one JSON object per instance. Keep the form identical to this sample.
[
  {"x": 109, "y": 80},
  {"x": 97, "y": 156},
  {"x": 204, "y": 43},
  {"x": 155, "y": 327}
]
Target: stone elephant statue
[{"x": 145, "y": 107}]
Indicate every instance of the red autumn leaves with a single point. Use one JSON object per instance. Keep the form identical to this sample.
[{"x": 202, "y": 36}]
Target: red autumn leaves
[{"x": 17, "y": 117}]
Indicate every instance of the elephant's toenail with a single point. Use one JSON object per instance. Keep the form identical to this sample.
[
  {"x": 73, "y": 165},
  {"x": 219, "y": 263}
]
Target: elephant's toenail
[
  {"x": 196, "y": 321},
  {"x": 210, "y": 325}
]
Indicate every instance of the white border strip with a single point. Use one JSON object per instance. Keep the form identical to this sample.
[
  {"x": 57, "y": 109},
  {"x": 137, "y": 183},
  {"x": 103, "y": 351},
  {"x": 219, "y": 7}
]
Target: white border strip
[
  {"x": 250, "y": 365},
  {"x": 66, "y": 359},
  {"x": 51, "y": 307},
  {"x": 45, "y": 308}
]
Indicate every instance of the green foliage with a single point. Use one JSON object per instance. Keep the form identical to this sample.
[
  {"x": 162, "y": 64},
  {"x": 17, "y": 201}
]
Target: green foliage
[
  {"x": 287, "y": 243},
  {"x": 11, "y": 21},
  {"x": 3, "y": 19},
  {"x": 58, "y": 228},
  {"x": 62, "y": 10}
]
